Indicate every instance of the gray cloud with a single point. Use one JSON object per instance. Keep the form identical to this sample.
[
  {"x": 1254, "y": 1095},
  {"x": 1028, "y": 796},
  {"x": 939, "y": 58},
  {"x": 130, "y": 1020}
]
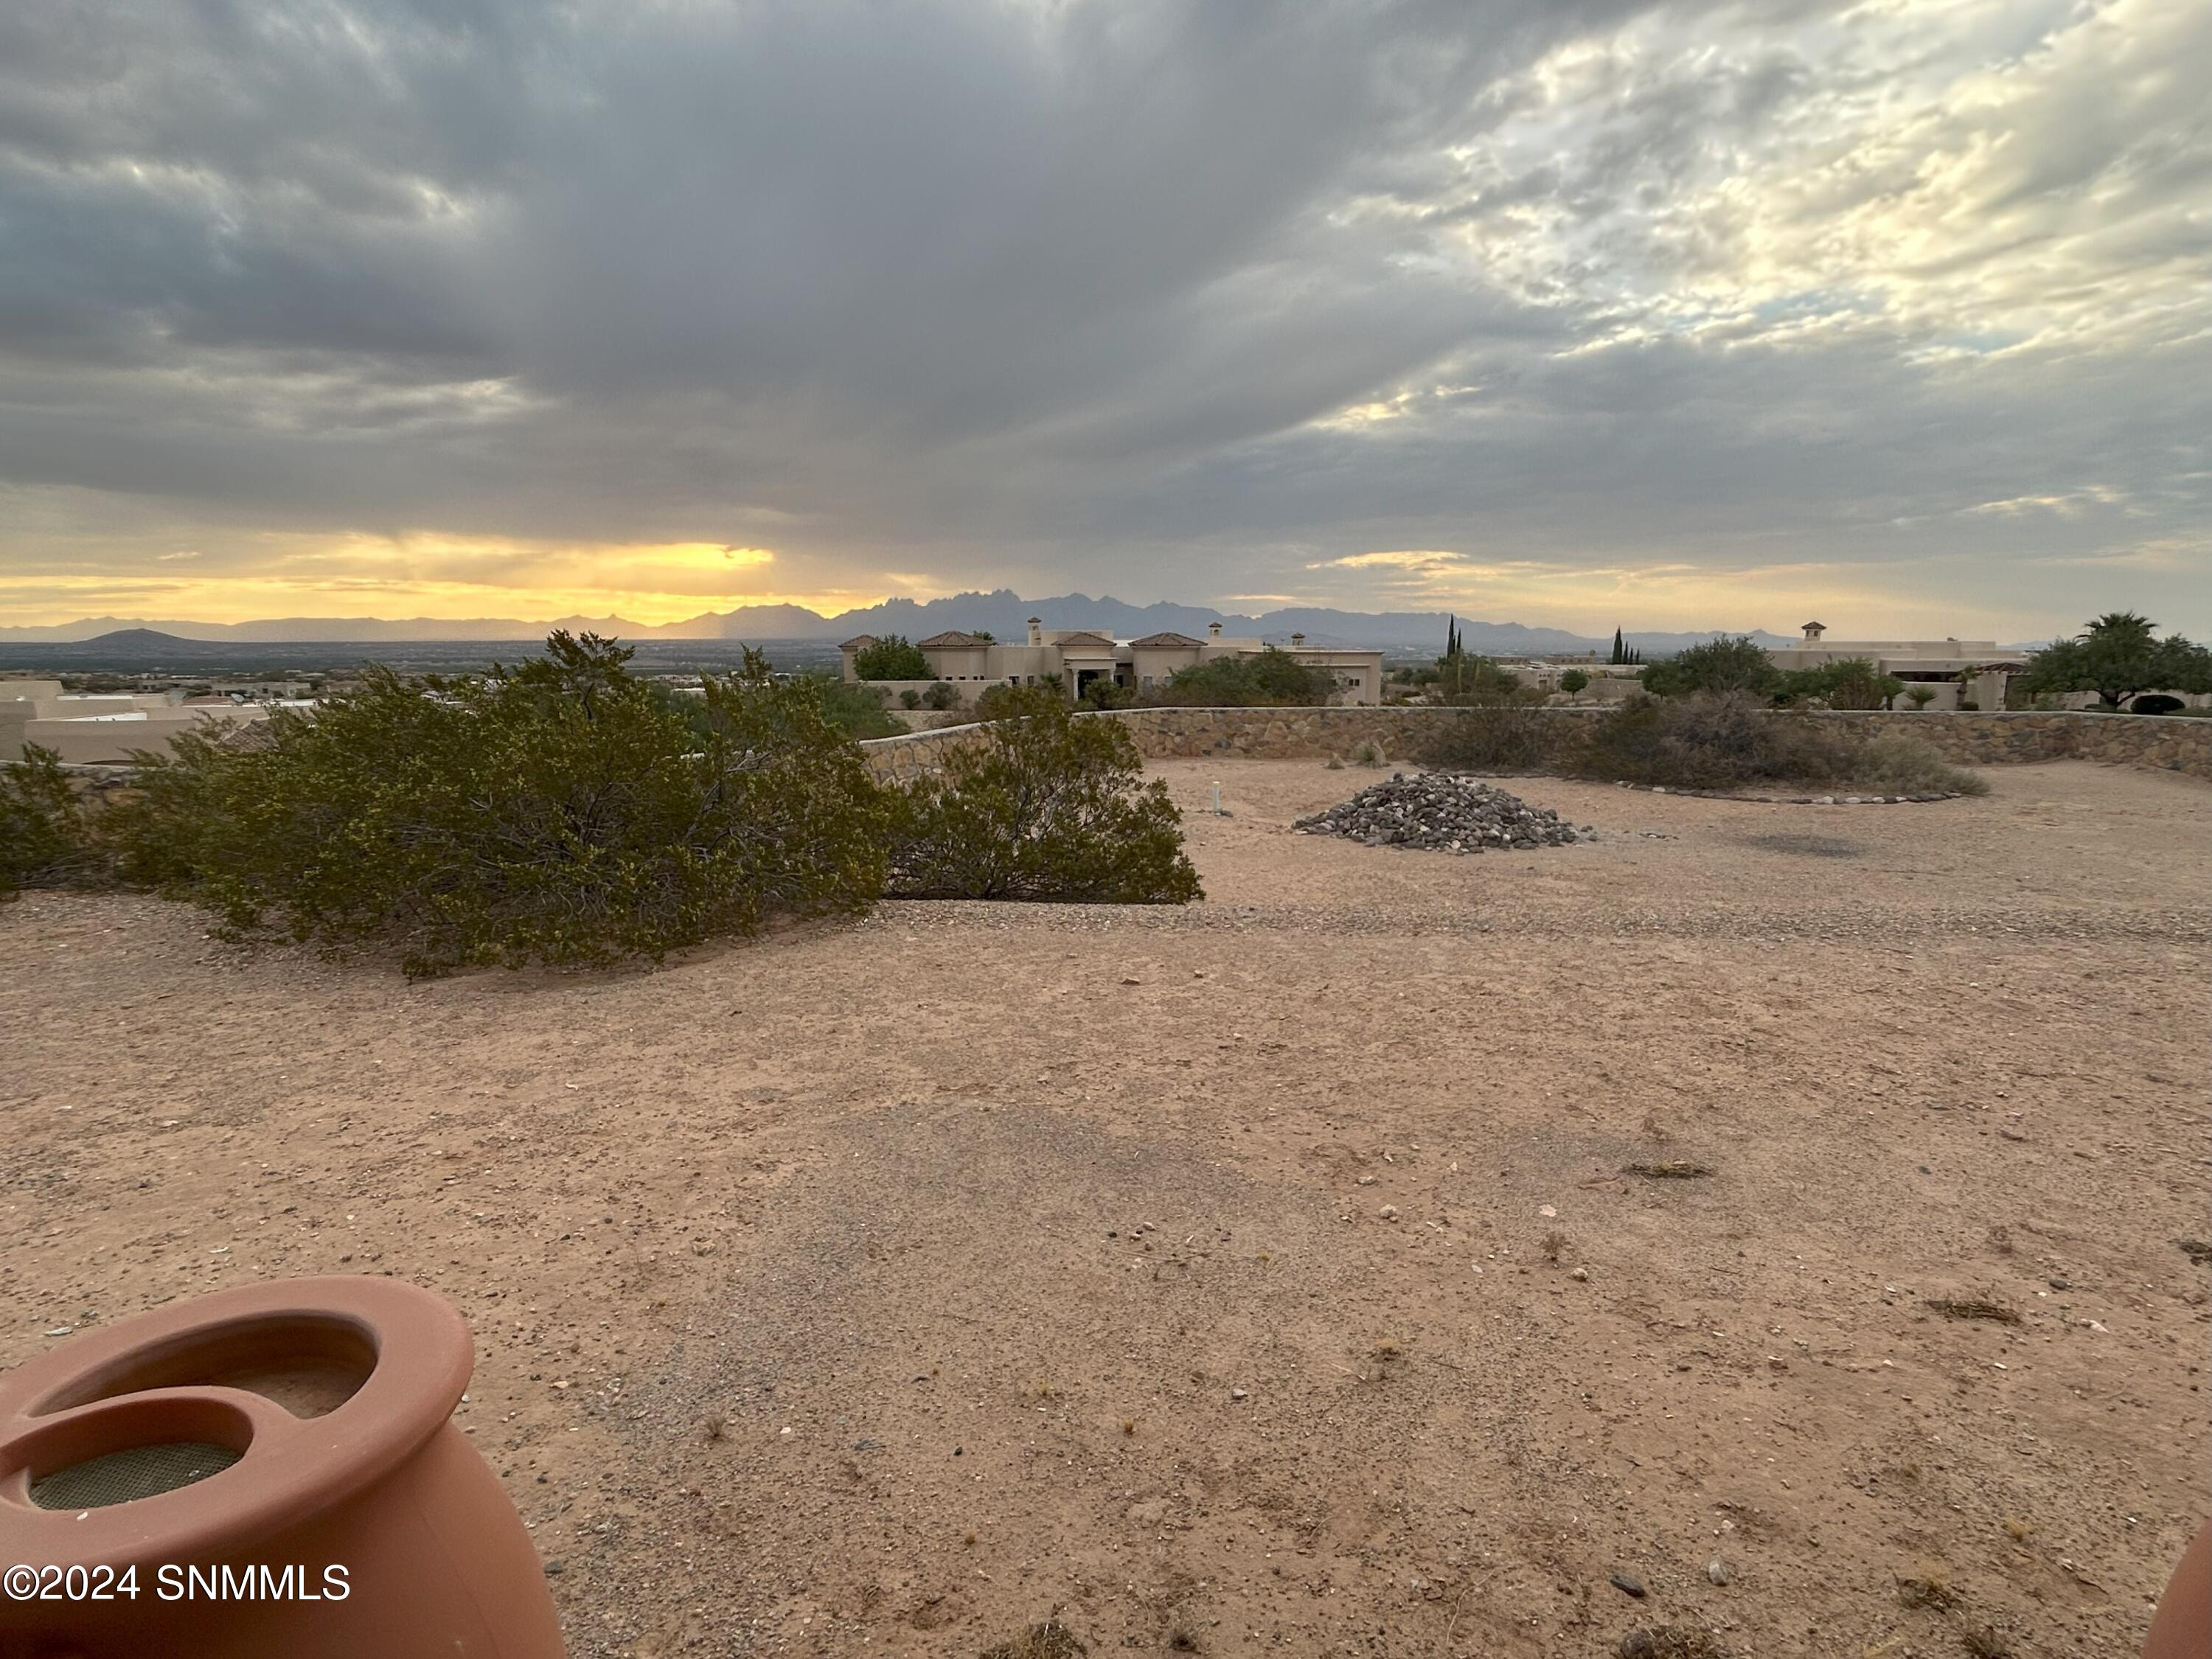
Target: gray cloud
[{"x": 1180, "y": 300}]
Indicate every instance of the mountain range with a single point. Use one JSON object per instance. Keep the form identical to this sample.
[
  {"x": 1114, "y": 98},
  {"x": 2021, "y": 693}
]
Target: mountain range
[{"x": 1003, "y": 612}]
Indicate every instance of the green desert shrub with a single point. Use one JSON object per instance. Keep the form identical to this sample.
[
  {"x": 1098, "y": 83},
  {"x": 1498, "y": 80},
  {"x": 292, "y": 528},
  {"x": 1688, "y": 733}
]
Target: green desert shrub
[
  {"x": 46, "y": 834},
  {"x": 557, "y": 812},
  {"x": 941, "y": 695},
  {"x": 1707, "y": 741},
  {"x": 857, "y": 711},
  {"x": 1266, "y": 678},
  {"x": 1899, "y": 763},
  {"x": 1573, "y": 681},
  {"x": 910, "y": 698},
  {"x": 1046, "y": 804},
  {"x": 999, "y": 703},
  {"x": 1497, "y": 738}
]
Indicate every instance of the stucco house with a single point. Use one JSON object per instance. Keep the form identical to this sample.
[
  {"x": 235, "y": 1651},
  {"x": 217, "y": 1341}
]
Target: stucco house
[
  {"x": 1080, "y": 658},
  {"x": 105, "y": 729},
  {"x": 1936, "y": 664}
]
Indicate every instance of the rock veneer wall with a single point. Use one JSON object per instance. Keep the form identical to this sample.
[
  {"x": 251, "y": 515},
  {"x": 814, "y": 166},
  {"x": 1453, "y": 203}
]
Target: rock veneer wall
[{"x": 2147, "y": 740}]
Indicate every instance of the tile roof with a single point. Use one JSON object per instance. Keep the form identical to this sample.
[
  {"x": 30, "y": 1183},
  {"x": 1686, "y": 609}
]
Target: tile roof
[
  {"x": 1166, "y": 639},
  {"x": 951, "y": 639},
  {"x": 1084, "y": 636},
  {"x": 858, "y": 641}
]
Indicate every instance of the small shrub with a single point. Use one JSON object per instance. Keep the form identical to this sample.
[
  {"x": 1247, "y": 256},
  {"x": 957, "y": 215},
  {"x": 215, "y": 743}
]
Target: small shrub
[
  {"x": 46, "y": 838},
  {"x": 941, "y": 696},
  {"x": 1920, "y": 697},
  {"x": 1000, "y": 702},
  {"x": 909, "y": 698},
  {"x": 1367, "y": 754},
  {"x": 1047, "y": 805},
  {"x": 1103, "y": 693},
  {"x": 1899, "y": 763},
  {"x": 1573, "y": 680}
]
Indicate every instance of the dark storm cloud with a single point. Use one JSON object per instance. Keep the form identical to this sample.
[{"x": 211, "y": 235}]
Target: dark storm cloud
[{"x": 1058, "y": 291}]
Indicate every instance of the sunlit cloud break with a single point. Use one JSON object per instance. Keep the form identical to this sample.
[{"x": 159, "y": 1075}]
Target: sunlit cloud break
[{"x": 1684, "y": 308}]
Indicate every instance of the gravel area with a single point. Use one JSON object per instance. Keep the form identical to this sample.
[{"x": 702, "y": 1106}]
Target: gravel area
[
  {"x": 1440, "y": 811},
  {"x": 1264, "y": 1277}
]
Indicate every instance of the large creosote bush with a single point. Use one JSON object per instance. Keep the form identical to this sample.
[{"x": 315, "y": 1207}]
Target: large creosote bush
[
  {"x": 1708, "y": 740},
  {"x": 1046, "y": 804},
  {"x": 558, "y": 812},
  {"x": 1499, "y": 737},
  {"x": 45, "y": 832}
]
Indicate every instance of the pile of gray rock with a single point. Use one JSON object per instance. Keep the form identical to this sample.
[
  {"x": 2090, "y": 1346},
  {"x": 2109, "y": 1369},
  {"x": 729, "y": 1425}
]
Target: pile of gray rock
[{"x": 1445, "y": 812}]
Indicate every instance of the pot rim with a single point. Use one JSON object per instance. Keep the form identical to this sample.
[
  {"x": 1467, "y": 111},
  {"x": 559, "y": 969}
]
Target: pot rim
[{"x": 76, "y": 1401}]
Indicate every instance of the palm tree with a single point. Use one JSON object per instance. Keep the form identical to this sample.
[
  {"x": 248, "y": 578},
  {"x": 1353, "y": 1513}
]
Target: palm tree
[{"x": 2119, "y": 627}]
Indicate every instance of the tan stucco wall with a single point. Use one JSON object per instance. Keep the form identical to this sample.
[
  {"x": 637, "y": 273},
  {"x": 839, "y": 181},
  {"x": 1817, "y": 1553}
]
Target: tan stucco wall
[{"x": 95, "y": 742}]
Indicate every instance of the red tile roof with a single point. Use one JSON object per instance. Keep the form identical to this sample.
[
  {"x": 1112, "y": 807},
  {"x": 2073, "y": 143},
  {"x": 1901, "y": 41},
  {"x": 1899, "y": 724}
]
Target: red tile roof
[
  {"x": 952, "y": 639},
  {"x": 858, "y": 642},
  {"x": 1167, "y": 639}
]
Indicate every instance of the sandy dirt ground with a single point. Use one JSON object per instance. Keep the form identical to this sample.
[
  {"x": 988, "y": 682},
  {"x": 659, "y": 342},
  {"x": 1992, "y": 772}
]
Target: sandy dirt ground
[{"x": 882, "y": 1289}]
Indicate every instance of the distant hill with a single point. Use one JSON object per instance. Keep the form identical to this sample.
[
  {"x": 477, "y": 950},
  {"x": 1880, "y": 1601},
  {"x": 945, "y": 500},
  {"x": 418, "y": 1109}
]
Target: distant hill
[
  {"x": 147, "y": 645},
  {"x": 1002, "y": 611}
]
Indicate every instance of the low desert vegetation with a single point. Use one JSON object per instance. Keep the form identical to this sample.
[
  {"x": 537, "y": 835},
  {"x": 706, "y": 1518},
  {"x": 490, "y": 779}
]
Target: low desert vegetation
[
  {"x": 1729, "y": 741},
  {"x": 557, "y": 812},
  {"x": 44, "y": 838},
  {"x": 571, "y": 813},
  {"x": 1700, "y": 740},
  {"x": 1268, "y": 678},
  {"x": 1046, "y": 805}
]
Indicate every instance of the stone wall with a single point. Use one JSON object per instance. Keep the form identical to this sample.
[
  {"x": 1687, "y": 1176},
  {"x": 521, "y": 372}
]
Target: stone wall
[{"x": 2148, "y": 740}]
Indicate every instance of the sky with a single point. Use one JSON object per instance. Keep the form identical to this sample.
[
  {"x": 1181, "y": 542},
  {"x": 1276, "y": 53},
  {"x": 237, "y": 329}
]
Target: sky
[{"x": 1574, "y": 313}]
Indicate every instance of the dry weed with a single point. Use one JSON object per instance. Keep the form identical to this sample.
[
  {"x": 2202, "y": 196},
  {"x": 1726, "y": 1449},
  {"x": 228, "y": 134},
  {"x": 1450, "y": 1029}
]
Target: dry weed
[{"x": 1049, "y": 1640}]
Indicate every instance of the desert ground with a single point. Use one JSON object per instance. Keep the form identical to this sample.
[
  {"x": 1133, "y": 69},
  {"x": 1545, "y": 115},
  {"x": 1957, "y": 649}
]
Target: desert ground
[{"x": 883, "y": 1288}]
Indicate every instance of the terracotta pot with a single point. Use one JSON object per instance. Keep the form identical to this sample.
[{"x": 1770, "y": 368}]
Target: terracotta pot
[{"x": 268, "y": 1471}]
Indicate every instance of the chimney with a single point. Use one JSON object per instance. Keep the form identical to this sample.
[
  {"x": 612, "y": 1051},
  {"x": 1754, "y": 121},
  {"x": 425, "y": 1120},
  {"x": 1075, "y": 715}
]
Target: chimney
[
  {"x": 1214, "y": 630},
  {"x": 1036, "y": 630}
]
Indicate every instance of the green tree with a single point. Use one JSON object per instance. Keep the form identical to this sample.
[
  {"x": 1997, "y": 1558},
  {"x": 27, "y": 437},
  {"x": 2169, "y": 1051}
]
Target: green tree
[
  {"x": 1619, "y": 650},
  {"x": 559, "y": 813},
  {"x": 1268, "y": 678},
  {"x": 1049, "y": 805},
  {"x": 1728, "y": 664},
  {"x": 1573, "y": 681},
  {"x": 2117, "y": 656},
  {"x": 894, "y": 657}
]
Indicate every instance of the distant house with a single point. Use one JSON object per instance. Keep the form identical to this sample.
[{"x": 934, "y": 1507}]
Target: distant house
[
  {"x": 1080, "y": 658},
  {"x": 1974, "y": 670},
  {"x": 105, "y": 730}
]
